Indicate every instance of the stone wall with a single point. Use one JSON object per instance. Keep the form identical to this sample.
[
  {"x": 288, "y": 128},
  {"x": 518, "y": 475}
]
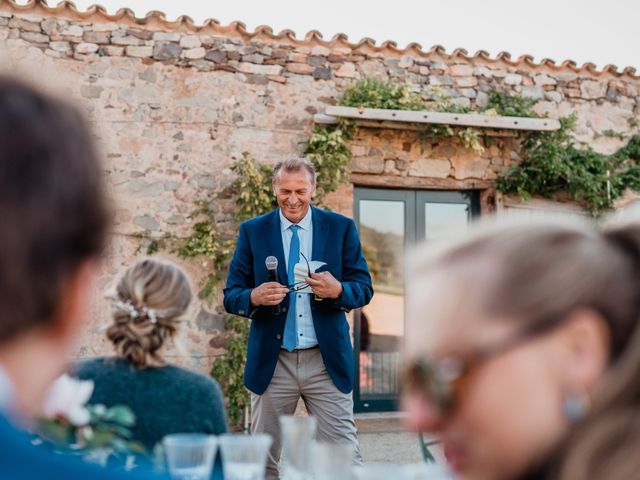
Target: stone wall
[{"x": 174, "y": 105}]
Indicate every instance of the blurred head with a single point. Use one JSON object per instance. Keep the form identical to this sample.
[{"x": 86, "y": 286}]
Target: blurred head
[
  {"x": 151, "y": 297},
  {"x": 294, "y": 184},
  {"x": 511, "y": 335},
  {"x": 55, "y": 220}
]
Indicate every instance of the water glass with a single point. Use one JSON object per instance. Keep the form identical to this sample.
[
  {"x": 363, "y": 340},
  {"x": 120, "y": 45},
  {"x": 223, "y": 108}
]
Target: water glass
[
  {"x": 331, "y": 461},
  {"x": 244, "y": 457},
  {"x": 381, "y": 471},
  {"x": 297, "y": 435},
  {"x": 190, "y": 455}
]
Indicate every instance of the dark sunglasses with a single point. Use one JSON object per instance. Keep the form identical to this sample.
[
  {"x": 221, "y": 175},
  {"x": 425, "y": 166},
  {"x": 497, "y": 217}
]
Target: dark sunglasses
[
  {"x": 301, "y": 285},
  {"x": 442, "y": 380}
]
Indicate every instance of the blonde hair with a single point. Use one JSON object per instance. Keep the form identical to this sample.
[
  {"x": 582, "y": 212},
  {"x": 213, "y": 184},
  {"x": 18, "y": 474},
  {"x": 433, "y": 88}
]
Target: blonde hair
[
  {"x": 151, "y": 296},
  {"x": 546, "y": 270}
]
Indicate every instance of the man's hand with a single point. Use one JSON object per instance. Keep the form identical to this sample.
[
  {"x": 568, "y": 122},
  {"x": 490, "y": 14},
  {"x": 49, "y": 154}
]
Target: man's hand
[
  {"x": 324, "y": 285},
  {"x": 269, "y": 293}
]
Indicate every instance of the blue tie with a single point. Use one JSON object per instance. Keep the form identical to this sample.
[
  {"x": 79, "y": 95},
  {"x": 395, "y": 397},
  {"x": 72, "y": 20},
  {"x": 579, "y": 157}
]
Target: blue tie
[{"x": 290, "y": 328}]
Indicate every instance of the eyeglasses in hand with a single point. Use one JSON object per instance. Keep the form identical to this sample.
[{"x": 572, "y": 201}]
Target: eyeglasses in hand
[{"x": 301, "y": 285}]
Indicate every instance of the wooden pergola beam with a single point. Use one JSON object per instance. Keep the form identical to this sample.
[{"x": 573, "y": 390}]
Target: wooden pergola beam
[{"x": 391, "y": 117}]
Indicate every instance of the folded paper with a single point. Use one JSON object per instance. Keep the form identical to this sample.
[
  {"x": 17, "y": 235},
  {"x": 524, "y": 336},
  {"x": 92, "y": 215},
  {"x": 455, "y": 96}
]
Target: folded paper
[{"x": 300, "y": 273}]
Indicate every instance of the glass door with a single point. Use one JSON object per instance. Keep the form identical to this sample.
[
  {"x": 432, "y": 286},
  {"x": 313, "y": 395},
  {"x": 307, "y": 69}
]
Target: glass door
[
  {"x": 388, "y": 222},
  {"x": 444, "y": 213}
]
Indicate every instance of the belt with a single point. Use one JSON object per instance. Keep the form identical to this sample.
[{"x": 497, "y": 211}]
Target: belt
[{"x": 302, "y": 349}]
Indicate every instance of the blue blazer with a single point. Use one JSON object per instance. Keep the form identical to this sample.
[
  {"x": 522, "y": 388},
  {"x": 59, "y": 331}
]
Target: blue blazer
[{"x": 335, "y": 242}]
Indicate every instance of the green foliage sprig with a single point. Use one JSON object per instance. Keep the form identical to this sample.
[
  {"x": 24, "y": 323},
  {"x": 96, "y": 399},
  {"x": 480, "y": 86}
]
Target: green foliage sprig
[
  {"x": 228, "y": 369},
  {"x": 107, "y": 434},
  {"x": 254, "y": 194},
  {"x": 329, "y": 151},
  {"x": 554, "y": 163},
  {"x": 372, "y": 93},
  {"x": 206, "y": 244},
  {"x": 506, "y": 105}
]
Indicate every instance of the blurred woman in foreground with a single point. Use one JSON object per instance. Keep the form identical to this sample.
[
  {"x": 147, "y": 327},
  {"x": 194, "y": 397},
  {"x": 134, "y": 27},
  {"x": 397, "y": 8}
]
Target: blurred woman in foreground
[{"x": 524, "y": 352}]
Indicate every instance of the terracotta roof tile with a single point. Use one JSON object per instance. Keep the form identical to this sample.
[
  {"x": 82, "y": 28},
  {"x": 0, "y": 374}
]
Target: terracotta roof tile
[{"x": 157, "y": 20}]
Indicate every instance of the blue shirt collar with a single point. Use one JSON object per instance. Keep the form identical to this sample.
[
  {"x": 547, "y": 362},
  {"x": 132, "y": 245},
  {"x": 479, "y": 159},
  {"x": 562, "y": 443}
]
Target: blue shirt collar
[{"x": 305, "y": 223}]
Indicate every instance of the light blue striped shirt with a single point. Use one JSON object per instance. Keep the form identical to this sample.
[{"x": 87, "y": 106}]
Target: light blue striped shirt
[{"x": 306, "y": 331}]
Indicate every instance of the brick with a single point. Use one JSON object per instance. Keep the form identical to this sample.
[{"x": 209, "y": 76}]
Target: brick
[
  {"x": 190, "y": 41},
  {"x": 543, "y": 79},
  {"x": 72, "y": 31},
  {"x": 194, "y": 53},
  {"x": 127, "y": 40},
  {"x": 167, "y": 36},
  {"x": 139, "y": 52},
  {"x": 216, "y": 56},
  {"x": 113, "y": 51},
  {"x": 592, "y": 89},
  {"x": 166, "y": 51},
  {"x": 259, "y": 69},
  {"x": 87, "y": 48},
  {"x": 347, "y": 70},
  {"x": 460, "y": 70},
  {"x": 34, "y": 37},
  {"x": 513, "y": 79},
  {"x": 438, "y": 80},
  {"x": 25, "y": 25},
  {"x": 101, "y": 38},
  {"x": 466, "y": 81},
  {"x": 430, "y": 167},
  {"x": 62, "y": 47}
]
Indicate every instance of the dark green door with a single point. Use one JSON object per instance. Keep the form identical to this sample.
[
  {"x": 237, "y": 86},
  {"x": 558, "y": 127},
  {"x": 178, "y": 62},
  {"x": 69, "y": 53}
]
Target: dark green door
[{"x": 389, "y": 221}]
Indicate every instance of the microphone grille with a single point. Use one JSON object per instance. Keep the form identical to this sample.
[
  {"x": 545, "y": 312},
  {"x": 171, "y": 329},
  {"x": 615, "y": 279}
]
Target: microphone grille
[{"x": 271, "y": 262}]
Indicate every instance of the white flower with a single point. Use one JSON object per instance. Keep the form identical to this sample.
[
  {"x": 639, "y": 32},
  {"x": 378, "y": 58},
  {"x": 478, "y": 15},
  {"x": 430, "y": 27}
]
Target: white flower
[{"x": 67, "y": 398}]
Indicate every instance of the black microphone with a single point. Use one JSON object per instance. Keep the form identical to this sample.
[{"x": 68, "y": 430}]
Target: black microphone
[{"x": 271, "y": 263}]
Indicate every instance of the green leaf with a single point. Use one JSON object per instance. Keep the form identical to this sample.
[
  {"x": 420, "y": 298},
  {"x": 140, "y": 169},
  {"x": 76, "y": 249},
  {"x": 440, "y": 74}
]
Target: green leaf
[{"x": 121, "y": 414}]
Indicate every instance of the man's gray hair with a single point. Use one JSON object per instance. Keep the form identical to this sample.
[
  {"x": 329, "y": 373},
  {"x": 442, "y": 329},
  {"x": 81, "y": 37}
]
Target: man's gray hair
[{"x": 294, "y": 165}]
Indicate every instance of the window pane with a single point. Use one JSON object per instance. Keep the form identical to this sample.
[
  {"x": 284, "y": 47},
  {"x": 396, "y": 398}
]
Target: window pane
[
  {"x": 441, "y": 219},
  {"x": 382, "y": 232}
]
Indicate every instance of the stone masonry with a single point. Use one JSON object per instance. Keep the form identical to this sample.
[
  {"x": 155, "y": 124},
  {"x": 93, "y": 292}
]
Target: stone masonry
[{"x": 174, "y": 105}]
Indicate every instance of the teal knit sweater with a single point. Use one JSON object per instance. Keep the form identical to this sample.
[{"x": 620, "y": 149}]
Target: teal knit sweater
[{"x": 164, "y": 400}]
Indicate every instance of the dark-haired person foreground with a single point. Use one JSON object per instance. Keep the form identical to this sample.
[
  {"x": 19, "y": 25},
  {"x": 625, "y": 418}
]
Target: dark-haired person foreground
[
  {"x": 55, "y": 220},
  {"x": 524, "y": 352},
  {"x": 151, "y": 298}
]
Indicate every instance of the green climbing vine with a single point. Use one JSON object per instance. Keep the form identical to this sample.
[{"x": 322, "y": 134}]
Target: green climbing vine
[
  {"x": 329, "y": 144},
  {"x": 228, "y": 369},
  {"x": 555, "y": 164}
]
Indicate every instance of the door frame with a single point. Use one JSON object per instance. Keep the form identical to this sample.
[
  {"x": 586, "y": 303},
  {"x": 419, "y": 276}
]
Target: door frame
[{"x": 414, "y": 223}]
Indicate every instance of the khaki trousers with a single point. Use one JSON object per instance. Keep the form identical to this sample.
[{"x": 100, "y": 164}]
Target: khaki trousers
[{"x": 302, "y": 374}]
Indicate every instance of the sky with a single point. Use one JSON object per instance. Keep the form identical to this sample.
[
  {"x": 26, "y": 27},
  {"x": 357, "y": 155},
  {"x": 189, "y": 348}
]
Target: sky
[{"x": 598, "y": 31}]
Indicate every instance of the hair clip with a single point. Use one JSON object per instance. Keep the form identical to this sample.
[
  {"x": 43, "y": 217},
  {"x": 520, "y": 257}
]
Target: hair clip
[
  {"x": 151, "y": 314},
  {"x": 130, "y": 308}
]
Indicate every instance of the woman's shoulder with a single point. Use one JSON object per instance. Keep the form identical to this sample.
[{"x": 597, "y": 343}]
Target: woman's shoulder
[
  {"x": 190, "y": 382},
  {"x": 191, "y": 376},
  {"x": 95, "y": 364}
]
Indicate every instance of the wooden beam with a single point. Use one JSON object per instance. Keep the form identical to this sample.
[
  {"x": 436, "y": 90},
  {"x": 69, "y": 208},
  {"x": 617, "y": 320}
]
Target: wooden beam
[
  {"x": 392, "y": 181},
  {"x": 543, "y": 204},
  {"x": 460, "y": 119},
  {"x": 382, "y": 124}
]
